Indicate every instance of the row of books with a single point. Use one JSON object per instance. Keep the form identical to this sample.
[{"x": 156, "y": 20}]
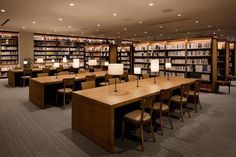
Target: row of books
[
  {"x": 123, "y": 54},
  {"x": 175, "y": 46},
  {"x": 9, "y": 42},
  {"x": 199, "y": 45},
  {"x": 176, "y": 53},
  {"x": 9, "y": 53},
  {"x": 9, "y": 62},
  {"x": 197, "y": 61},
  {"x": 8, "y": 57},
  {"x": 199, "y": 53},
  {"x": 8, "y": 48},
  {"x": 123, "y": 49}
]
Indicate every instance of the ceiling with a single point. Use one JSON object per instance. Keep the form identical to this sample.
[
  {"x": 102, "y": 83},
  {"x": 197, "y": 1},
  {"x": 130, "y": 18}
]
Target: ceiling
[{"x": 166, "y": 19}]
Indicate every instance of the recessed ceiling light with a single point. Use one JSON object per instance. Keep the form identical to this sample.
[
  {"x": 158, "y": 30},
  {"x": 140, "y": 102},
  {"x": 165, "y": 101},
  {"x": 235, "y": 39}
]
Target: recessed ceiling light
[
  {"x": 188, "y": 32},
  {"x": 71, "y": 4},
  {"x": 1, "y": 29},
  {"x": 125, "y": 29},
  {"x": 114, "y": 14},
  {"x": 69, "y": 26},
  {"x": 55, "y": 30},
  {"x": 60, "y": 19},
  {"x": 161, "y": 34},
  {"x": 34, "y": 22},
  {"x": 151, "y": 4},
  {"x": 145, "y": 32},
  {"x": 218, "y": 30},
  {"x": 23, "y": 27},
  {"x": 98, "y": 25},
  {"x": 179, "y": 15},
  {"x": 176, "y": 30},
  {"x": 161, "y": 26},
  {"x": 209, "y": 26},
  {"x": 140, "y": 22},
  {"x": 214, "y": 32},
  {"x": 135, "y": 35},
  {"x": 3, "y": 10},
  {"x": 118, "y": 32},
  {"x": 221, "y": 35},
  {"x": 196, "y": 21},
  {"x": 97, "y": 30}
]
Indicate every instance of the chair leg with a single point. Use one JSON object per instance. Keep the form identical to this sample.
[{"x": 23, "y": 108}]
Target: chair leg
[
  {"x": 161, "y": 123},
  {"x": 195, "y": 103},
  {"x": 123, "y": 130},
  {"x": 171, "y": 124},
  {"x": 142, "y": 138},
  {"x": 153, "y": 135},
  {"x": 188, "y": 110},
  {"x": 181, "y": 112},
  {"x": 64, "y": 100},
  {"x": 198, "y": 98}
]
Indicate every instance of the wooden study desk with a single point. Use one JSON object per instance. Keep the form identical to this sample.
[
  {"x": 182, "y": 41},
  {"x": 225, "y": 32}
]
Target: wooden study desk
[
  {"x": 93, "y": 110},
  {"x": 42, "y": 88}
]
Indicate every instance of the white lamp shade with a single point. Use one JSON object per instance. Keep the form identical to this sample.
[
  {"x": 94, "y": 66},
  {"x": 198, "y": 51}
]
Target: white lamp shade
[
  {"x": 137, "y": 70},
  {"x": 56, "y": 65},
  {"x": 155, "y": 65},
  {"x": 168, "y": 65},
  {"x": 115, "y": 69},
  {"x": 76, "y": 63},
  {"x": 53, "y": 60},
  {"x": 92, "y": 62},
  {"x": 64, "y": 60},
  {"x": 25, "y": 62},
  {"x": 106, "y": 63},
  {"x": 40, "y": 60}
]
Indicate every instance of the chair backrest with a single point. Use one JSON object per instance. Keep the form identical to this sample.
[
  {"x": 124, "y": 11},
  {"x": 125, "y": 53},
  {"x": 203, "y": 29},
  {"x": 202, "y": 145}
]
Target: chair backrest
[
  {"x": 82, "y": 70},
  {"x": 46, "y": 70},
  {"x": 132, "y": 77},
  {"x": 42, "y": 74},
  {"x": 90, "y": 78},
  {"x": 113, "y": 80},
  {"x": 69, "y": 82},
  {"x": 59, "y": 69},
  {"x": 124, "y": 76},
  {"x": 184, "y": 90},
  {"x": 144, "y": 76},
  {"x": 165, "y": 95},
  {"x": 146, "y": 103},
  {"x": 27, "y": 71},
  {"x": 88, "y": 84},
  {"x": 64, "y": 73}
]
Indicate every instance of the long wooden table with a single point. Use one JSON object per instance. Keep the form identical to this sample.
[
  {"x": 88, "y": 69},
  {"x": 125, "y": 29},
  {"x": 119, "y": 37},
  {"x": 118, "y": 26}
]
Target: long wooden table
[
  {"x": 41, "y": 89},
  {"x": 93, "y": 110}
]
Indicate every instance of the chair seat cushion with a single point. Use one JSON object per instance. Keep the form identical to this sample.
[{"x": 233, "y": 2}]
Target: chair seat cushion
[
  {"x": 136, "y": 116},
  {"x": 157, "y": 106},
  {"x": 103, "y": 83},
  {"x": 67, "y": 90},
  {"x": 25, "y": 77},
  {"x": 191, "y": 93},
  {"x": 177, "y": 98}
]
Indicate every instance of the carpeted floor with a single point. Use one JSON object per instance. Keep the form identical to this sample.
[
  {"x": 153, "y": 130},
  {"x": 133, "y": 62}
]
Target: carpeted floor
[{"x": 26, "y": 131}]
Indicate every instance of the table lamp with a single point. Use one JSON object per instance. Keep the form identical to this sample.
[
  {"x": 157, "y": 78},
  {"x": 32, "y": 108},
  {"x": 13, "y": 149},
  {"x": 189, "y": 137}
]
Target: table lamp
[
  {"x": 76, "y": 65},
  {"x": 25, "y": 62},
  {"x": 155, "y": 67},
  {"x": 91, "y": 63},
  {"x": 168, "y": 66},
  {"x": 137, "y": 71},
  {"x": 56, "y": 65},
  {"x": 39, "y": 60},
  {"x": 115, "y": 70}
]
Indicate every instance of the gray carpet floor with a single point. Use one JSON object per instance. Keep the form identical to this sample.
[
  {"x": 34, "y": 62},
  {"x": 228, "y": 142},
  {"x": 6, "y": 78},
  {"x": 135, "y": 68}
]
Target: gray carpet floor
[{"x": 26, "y": 131}]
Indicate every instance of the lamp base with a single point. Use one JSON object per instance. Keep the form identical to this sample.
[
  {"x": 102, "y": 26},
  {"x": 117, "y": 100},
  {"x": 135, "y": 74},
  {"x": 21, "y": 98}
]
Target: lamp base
[{"x": 118, "y": 92}]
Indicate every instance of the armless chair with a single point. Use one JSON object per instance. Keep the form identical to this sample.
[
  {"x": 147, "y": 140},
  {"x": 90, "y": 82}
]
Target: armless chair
[
  {"x": 225, "y": 82},
  {"x": 195, "y": 95},
  {"x": 42, "y": 74},
  {"x": 68, "y": 88},
  {"x": 105, "y": 83},
  {"x": 88, "y": 85},
  {"x": 163, "y": 107},
  {"x": 132, "y": 78},
  {"x": 90, "y": 78},
  {"x": 27, "y": 73},
  {"x": 141, "y": 117},
  {"x": 182, "y": 100}
]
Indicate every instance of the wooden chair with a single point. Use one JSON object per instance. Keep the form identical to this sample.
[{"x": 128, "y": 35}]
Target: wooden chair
[
  {"x": 132, "y": 78},
  {"x": 88, "y": 85},
  {"x": 90, "y": 78},
  {"x": 42, "y": 74},
  {"x": 227, "y": 82},
  {"x": 46, "y": 70},
  {"x": 64, "y": 73},
  {"x": 163, "y": 107},
  {"x": 111, "y": 81},
  {"x": 144, "y": 76},
  {"x": 105, "y": 83},
  {"x": 140, "y": 117},
  {"x": 27, "y": 73},
  {"x": 182, "y": 99},
  {"x": 68, "y": 88},
  {"x": 124, "y": 77},
  {"x": 195, "y": 95}
]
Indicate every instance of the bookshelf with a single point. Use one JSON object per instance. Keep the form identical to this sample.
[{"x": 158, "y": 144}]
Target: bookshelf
[
  {"x": 124, "y": 56},
  {"x": 232, "y": 59},
  {"x": 8, "y": 52},
  {"x": 221, "y": 60},
  {"x": 99, "y": 52}
]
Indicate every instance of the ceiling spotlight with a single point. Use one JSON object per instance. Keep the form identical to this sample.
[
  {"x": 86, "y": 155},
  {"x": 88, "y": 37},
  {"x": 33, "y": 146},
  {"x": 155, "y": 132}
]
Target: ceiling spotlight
[
  {"x": 188, "y": 32},
  {"x": 98, "y": 25},
  {"x": 1, "y": 29},
  {"x": 145, "y": 32},
  {"x": 135, "y": 35},
  {"x": 71, "y": 4},
  {"x": 60, "y": 19},
  {"x": 125, "y": 29},
  {"x": 140, "y": 22},
  {"x": 218, "y": 30},
  {"x": 161, "y": 26},
  {"x": 55, "y": 30},
  {"x": 214, "y": 33},
  {"x": 221, "y": 35},
  {"x": 118, "y": 32},
  {"x": 34, "y": 22},
  {"x": 209, "y": 26},
  {"x": 97, "y": 30},
  {"x": 179, "y": 15},
  {"x": 23, "y": 27},
  {"x": 3, "y": 10},
  {"x": 196, "y": 21},
  {"x": 69, "y": 26},
  {"x": 114, "y": 14},
  {"x": 176, "y": 30},
  {"x": 161, "y": 34},
  {"x": 151, "y": 4}
]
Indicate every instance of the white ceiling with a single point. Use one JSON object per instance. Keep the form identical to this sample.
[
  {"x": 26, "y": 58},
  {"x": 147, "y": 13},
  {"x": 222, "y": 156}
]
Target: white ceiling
[{"x": 84, "y": 16}]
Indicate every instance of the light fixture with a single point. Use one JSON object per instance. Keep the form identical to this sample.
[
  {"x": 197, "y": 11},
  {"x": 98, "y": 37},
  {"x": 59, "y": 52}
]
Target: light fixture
[
  {"x": 25, "y": 62},
  {"x": 188, "y": 32},
  {"x": 125, "y": 29},
  {"x": 71, "y": 4},
  {"x": 1, "y": 29},
  {"x": 53, "y": 60},
  {"x": 140, "y": 22},
  {"x": 135, "y": 35},
  {"x": 214, "y": 32},
  {"x": 114, "y": 14},
  {"x": 196, "y": 21},
  {"x": 69, "y": 26},
  {"x": 151, "y": 4},
  {"x": 137, "y": 71},
  {"x": 161, "y": 34},
  {"x": 179, "y": 15},
  {"x": 39, "y": 60},
  {"x": 155, "y": 67},
  {"x": 218, "y": 30},
  {"x": 115, "y": 70},
  {"x": 34, "y": 22},
  {"x": 118, "y": 32},
  {"x": 209, "y": 26},
  {"x": 221, "y": 35},
  {"x": 98, "y": 25},
  {"x": 3, "y": 10},
  {"x": 145, "y": 32},
  {"x": 23, "y": 27},
  {"x": 176, "y": 30},
  {"x": 76, "y": 65},
  {"x": 60, "y": 19},
  {"x": 161, "y": 26},
  {"x": 97, "y": 30},
  {"x": 55, "y": 30}
]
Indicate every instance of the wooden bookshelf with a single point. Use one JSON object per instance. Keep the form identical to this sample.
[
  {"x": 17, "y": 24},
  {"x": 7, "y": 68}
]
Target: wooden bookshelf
[
  {"x": 99, "y": 52},
  {"x": 221, "y": 60},
  {"x": 232, "y": 59},
  {"x": 8, "y": 52},
  {"x": 124, "y": 56}
]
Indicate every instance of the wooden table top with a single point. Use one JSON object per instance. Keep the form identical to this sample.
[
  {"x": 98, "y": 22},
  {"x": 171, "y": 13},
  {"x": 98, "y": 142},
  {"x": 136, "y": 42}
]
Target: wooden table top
[
  {"x": 59, "y": 79},
  {"x": 128, "y": 92}
]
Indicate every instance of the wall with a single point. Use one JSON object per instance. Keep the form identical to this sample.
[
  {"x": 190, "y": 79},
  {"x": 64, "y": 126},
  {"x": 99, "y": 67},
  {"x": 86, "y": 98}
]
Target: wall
[{"x": 26, "y": 46}]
